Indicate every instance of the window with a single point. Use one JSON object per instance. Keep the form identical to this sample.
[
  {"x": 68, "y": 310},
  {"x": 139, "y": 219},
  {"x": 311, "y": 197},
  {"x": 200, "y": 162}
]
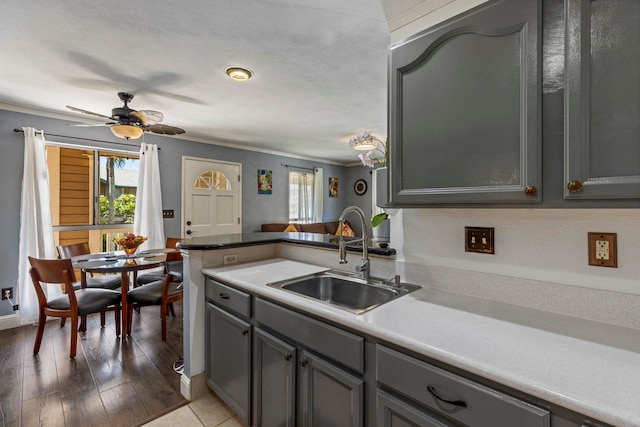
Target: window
[
  {"x": 93, "y": 195},
  {"x": 300, "y": 197}
]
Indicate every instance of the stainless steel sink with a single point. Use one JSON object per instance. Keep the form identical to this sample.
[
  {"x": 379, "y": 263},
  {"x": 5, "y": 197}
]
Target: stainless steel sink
[{"x": 342, "y": 290}]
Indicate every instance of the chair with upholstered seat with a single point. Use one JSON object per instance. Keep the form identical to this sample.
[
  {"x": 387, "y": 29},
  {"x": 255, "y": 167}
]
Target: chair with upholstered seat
[
  {"x": 107, "y": 281},
  {"x": 161, "y": 292},
  {"x": 74, "y": 303},
  {"x": 173, "y": 267}
]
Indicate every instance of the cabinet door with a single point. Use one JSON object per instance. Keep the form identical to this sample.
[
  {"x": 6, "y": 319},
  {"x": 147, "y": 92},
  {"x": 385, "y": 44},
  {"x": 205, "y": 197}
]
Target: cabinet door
[
  {"x": 228, "y": 359},
  {"x": 328, "y": 396},
  {"x": 465, "y": 111},
  {"x": 602, "y": 99},
  {"x": 275, "y": 381},
  {"x": 392, "y": 412}
]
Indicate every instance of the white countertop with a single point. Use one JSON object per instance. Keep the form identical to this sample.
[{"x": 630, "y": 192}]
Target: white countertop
[{"x": 521, "y": 348}]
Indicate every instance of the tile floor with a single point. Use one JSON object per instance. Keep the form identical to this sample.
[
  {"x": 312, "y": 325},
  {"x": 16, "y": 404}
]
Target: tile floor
[{"x": 207, "y": 411}]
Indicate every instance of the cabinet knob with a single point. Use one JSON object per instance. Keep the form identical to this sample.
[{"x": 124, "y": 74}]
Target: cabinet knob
[
  {"x": 245, "y": 331},
  {"x": 460, "y": 403},
  {"x": 530, "y": 190},
  {"x": 303, "y": 362},
  {"x": 287, "y": 356},
  {"x": 574, "y": 186}
]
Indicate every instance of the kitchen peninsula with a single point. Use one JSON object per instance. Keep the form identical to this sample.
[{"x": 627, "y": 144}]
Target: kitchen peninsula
[{"x": 580, "y": 371}]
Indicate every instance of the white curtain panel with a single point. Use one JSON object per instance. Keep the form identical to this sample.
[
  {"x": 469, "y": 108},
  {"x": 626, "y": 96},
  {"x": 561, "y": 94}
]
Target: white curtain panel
[
  {"x": 318, "y": 195},
  {"x": 36, "y": 229},
  {"x": 148, "y": 220}
]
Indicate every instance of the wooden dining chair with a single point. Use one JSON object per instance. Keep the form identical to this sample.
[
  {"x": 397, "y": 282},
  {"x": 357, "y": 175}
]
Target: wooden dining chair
[
  {"x": 107, "y": 281},
  {"x": 173, "y": 267},
  {"x": 74, "y": 304},
  {"x": 161, "y": 292}
]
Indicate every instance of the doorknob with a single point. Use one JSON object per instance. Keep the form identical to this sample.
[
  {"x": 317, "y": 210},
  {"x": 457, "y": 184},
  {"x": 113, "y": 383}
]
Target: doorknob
[{"x": 190, "y": 232}]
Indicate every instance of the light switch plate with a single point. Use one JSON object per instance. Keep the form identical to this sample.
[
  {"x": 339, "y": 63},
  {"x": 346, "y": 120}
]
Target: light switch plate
[
  {"x": 479, "y": 239},
  {"x": 603, "y": 249}
]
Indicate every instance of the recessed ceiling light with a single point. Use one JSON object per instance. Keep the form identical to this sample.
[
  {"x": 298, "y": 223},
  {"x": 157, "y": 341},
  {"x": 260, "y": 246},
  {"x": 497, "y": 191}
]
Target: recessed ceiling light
[{"x": 238, "y": 73}]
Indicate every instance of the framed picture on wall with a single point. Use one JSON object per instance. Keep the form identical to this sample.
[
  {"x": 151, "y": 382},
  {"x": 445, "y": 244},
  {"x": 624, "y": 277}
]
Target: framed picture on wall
[
  {"x": 265, "y": 181},
  {"x": 333, "y": 187}
]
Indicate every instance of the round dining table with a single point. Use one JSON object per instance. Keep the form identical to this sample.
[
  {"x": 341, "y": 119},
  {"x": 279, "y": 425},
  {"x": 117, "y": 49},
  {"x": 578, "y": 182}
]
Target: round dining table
[{"x": 119, "y": 262}]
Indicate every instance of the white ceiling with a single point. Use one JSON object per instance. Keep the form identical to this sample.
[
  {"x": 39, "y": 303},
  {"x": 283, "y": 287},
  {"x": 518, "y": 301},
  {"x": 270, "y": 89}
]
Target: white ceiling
[{"x": 319, "y": 66}]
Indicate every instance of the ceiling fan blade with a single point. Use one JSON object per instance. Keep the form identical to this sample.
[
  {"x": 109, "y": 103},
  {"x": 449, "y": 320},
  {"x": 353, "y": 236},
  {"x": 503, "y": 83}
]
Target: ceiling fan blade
[
  {"x": 165, "y": 129},
  {"x": 147, "y": 117},
  {"x": 152, "y": 116},
  {"x": 80, "y": 110},
  {"x": 87, "y": 125}
]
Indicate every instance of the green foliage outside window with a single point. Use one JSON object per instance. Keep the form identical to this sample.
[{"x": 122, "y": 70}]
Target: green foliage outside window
[{"x": 124, "y": 209}]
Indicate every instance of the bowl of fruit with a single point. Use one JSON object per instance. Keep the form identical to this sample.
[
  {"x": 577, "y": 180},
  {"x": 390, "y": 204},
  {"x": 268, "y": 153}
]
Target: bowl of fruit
[{"x": 129, "y": 242}]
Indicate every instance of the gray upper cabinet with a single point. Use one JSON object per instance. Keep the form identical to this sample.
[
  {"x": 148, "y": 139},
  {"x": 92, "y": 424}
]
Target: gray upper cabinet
[
  {"x": 602, "y": 99},
  {"x": 464, "y": 122}
]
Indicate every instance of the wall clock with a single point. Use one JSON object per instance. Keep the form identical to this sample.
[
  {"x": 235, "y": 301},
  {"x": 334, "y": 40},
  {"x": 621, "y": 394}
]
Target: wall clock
[{"x": 360, "y": 187}]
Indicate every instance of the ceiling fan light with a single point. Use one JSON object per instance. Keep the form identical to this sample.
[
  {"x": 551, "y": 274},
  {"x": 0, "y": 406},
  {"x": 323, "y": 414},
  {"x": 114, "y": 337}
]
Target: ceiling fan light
[
  {"x": 238, "y": 73},
  {"x": 365, "y": 146},
  {"x": 127, "y": 131}
]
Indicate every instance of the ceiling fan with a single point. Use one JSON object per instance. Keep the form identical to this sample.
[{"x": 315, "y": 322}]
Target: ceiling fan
[{"x": 131, "y": 124}]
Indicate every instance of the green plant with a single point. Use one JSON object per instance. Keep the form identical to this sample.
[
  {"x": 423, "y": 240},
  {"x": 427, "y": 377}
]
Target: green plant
[
  {"x": 124, "y": 208},
  {"x": 376, "y": 220}
]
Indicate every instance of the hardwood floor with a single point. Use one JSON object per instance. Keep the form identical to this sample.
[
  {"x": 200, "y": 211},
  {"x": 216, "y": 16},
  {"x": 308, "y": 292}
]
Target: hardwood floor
[{"x": 111, "y": 382}]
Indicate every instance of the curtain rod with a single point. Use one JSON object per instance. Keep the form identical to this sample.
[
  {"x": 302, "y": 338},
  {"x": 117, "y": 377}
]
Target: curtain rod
[
  {"x": 297, "y": 167},
  {"x": 86, "y": 139}
]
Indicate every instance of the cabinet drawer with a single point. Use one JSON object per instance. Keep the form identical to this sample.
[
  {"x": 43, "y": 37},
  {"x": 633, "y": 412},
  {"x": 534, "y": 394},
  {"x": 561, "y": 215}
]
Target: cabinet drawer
[
  {"x": 472, "y": 403},
  {"x": 341, "y": 346},
  {"x": 228, "y": 297}
]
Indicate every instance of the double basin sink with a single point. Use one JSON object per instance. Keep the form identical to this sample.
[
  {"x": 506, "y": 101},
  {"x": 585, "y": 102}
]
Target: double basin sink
[{"x": 345, "y": 290}]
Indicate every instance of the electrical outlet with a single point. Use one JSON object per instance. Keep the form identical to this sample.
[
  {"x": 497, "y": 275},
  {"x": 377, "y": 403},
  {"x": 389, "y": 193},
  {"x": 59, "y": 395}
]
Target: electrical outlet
[
  {"x": 603, "y": 250},
  {"x": 479, "y": 239},
  {"x": 230, "y": 259},
  {"x": 7, "y": 293}
]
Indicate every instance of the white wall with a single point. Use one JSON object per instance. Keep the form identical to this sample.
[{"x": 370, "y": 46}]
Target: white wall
[{"x": 548, "y": 245}]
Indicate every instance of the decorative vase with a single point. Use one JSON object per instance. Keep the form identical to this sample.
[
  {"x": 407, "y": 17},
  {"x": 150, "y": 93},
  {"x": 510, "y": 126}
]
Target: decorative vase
[
  {"x": 130, "y": 251},
  {"x": 382, "y": 233}
]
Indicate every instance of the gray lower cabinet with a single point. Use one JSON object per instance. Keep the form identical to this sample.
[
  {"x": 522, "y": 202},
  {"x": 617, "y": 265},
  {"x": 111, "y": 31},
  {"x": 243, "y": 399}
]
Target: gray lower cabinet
[
  {"x": 276, "y": 367},
  {"x": 329, "y": 396},
  {"x": 450, "y": 396},
  {"x": 464, "y": 109},
  {"x": 294, "y": 387},
  {"x": 393, "y": 412},
  {"x": 301, "y": 371},
  {"x": 274, "y": 381},
  {"x": 228, "y": 359}
]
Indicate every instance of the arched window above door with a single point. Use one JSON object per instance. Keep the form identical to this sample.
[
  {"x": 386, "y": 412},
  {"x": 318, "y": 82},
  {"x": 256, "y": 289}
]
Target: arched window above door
[{"x": 213, "y": 180}]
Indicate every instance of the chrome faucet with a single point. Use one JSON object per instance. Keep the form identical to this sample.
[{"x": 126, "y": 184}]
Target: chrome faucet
[{"x": 363, "y": 268}]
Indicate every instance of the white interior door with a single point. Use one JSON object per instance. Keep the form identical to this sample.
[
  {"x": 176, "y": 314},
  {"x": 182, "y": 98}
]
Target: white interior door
[{"x": 210, "y": 197}]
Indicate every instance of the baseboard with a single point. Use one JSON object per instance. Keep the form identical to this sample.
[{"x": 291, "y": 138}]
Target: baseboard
[
  {"x": 8, "y": 322},
  {"x": 193, "y": 388}
]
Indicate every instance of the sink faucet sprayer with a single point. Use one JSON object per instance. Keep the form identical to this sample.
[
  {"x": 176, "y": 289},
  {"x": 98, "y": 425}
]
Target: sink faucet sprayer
[{"x": 363, "y": 268}]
